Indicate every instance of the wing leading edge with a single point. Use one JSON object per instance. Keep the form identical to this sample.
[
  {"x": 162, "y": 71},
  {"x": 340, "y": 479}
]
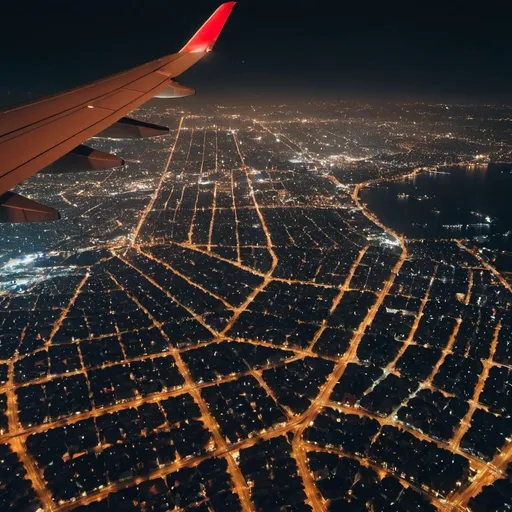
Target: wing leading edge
[{"x": 35, "y": 135}]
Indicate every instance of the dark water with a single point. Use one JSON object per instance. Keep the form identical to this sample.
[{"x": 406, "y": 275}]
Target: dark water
[{"x": 454, "y": 202}]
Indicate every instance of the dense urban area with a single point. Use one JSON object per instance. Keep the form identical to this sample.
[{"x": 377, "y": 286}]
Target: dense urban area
[{"x": 225, "y": 325}]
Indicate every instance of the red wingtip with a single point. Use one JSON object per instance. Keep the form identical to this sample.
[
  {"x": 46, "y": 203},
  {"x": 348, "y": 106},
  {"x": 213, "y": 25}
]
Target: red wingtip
[{"x": 207, "y": 35}]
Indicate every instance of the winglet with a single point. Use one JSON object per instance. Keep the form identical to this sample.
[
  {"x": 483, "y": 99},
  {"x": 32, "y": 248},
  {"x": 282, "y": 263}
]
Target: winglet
[{"x": 207, "y": 35}]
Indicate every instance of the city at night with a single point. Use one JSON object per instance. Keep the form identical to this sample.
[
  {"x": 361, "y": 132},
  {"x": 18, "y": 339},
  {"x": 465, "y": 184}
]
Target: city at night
[{"x": 264, "y": 297}]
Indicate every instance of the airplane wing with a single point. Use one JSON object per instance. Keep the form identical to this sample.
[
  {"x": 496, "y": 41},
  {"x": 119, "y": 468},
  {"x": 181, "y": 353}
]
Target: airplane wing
[{"x": 49, "y": 132}]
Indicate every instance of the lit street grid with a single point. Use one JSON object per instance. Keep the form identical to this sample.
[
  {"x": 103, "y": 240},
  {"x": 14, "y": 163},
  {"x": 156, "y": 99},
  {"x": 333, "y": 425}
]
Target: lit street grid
[{"x": 225, "y": 325}]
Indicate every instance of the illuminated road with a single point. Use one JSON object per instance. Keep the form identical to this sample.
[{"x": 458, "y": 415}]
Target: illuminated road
[
  {"x": 200, "y": 186},
  {"x": 209, "y": 421},
  {"x": 381, "y": 472},
  {"x": 158, "y": 188},
  {"x": 473, "y": 404}
]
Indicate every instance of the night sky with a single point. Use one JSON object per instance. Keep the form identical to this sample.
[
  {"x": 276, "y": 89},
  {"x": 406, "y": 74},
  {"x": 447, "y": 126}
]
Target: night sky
[{"x": 269, "y": 50}]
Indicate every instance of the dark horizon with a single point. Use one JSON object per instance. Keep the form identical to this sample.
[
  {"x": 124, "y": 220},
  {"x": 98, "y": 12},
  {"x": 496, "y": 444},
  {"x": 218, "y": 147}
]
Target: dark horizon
[{"x": 268, "y": 51}]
